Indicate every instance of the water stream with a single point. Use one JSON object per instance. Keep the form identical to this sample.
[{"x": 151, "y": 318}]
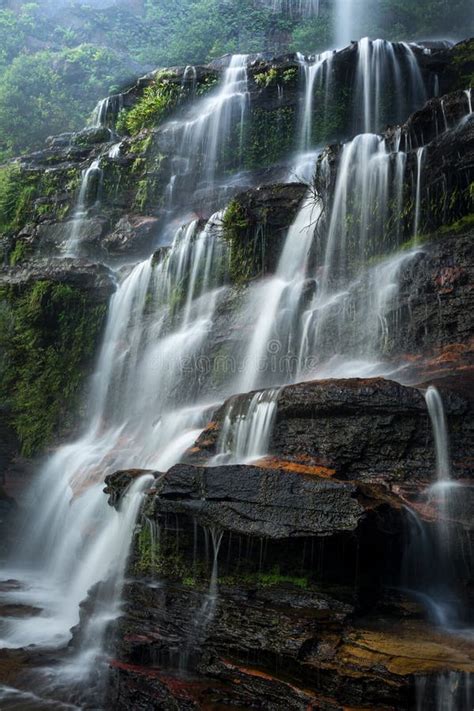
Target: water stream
[{"x": 89, "y": 192}]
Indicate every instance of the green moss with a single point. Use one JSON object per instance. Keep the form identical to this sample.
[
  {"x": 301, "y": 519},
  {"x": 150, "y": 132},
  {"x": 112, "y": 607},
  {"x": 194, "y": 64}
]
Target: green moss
[
  {"x": 155, "y": 104},
  {"x": 289, "y": 76},
  {"x": 17, "y": 192},
  {"x": 159, "y": 556},
  {"x": 463, "y": 61},
  {"x": 265, "y": 580},
  {"x": 465, "y": 223},
  {"x": 48, "y": 336},
  {"x": 270, "y": 137}
]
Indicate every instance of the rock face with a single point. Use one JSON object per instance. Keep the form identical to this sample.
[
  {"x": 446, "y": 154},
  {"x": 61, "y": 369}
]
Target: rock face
[
  {"x": 278, "y": 583},
  {"x": 94, "y": 279},
  {"x": 435, "y": 302}
]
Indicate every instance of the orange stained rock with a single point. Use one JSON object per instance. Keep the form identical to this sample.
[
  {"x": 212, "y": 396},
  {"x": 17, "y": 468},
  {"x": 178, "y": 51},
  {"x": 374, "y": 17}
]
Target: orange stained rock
[
  {"x": 411, "y": 649},
  {"x": 296, "y": 467}
]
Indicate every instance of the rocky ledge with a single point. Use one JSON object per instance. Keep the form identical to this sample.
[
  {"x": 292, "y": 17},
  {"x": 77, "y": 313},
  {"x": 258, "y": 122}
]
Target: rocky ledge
[
  {"x": 283, "y": 584},
  {"x": 368, "y": 430}
]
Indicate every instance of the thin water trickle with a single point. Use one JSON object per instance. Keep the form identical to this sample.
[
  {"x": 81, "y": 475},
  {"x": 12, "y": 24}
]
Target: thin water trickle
[
  {"x": 437, "y": 414},
  {"x": 88, "y": 193},
  {"x": 420, "y": 158},
  {"x": 107, "y": 111},
  {"x": 317, "y": 76}
]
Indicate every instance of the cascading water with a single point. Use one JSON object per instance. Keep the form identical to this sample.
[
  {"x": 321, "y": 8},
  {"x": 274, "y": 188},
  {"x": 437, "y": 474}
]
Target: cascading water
[
  {"x": 199, "y": 140},
  {"x": 430, "y": 570},
  {"x": 247, "y": 427},
  {"x": 317, "y": 74},
  {"x": 440, "y": 432},
  {"x": 420, "y": 158},
  {"x": 430, "y": 566},
  {"x": 106, "y": 111},
  {"x": 88, "y": 192},
  {"x": 389, "y": 84},
  {"x": 144, "y": 411}
]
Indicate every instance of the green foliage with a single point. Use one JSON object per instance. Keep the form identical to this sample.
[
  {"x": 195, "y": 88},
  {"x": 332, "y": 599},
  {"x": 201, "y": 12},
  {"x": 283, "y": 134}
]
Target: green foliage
[
  {"x": 52, "y": 92},
  {"x": 159, "y": 556},
  {"x": 464, "y": 63},
  {"x": 18, "y": 254},
  {"x": 48, "y": 335},
  {"x": 157, "y": 102},
  {"x": 264, "y": 79},
  {"x": 208, "y": 83},
  {"x": 17, "y": 191},
  {"x": 272, "y": 578},
  {"x": 465, "y": 223},
  {"x": 271, "y": 136}
]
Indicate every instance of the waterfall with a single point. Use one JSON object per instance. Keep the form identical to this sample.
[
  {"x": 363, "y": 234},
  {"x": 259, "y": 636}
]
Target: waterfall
[
  {"x": 387, "y": 73},
  {"x": 89, "y": 188},
  {"x": 106, "y": 111},
  {"x": 323, "y": 313},
  {"x": 114, "y": 152},
  {"x": 317, "y": 75},
  {"x": 420, "y": 158},
  {"x": 144, "y": 411},
  {"x": 437, "y": 414},
  {"x": 468, "y": 93},
  {"x": 344, "y": 17},
  {"x": 451, "y": 691},
  {"x": 199, "y": 140},
  {"x": 274, "y": 328},
  {"x": 247, "y": 427}
]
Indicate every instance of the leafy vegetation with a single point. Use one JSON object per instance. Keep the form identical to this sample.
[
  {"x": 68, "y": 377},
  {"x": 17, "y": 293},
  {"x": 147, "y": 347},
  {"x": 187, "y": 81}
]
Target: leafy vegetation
[
  {"x": 16, "y": 195},
  {"x": 48, "y": 334},
  {"x": 156, "y": 103}
]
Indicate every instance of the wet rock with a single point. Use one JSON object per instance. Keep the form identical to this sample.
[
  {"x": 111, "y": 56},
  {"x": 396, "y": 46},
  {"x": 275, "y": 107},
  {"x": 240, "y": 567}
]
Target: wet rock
[
  {"x": 8, "y": 511},
  {"x": 273, "y": 503},
  {"x": 435, "y": 305},
  {"x": 133, "y": 234},
  {"x": 53, "y": 237},
  {"x": 91, "y": 136},
  {"x": 95, "y": 279},
  {"x": 116, "y": 484},
  {"x": 371, "y": 429}
]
